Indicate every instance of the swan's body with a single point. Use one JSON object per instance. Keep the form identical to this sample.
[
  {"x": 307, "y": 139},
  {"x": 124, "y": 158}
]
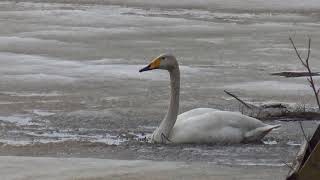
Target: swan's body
[
  {"x": 205, "y": 125},
  {"x": 202, "y": 125}
]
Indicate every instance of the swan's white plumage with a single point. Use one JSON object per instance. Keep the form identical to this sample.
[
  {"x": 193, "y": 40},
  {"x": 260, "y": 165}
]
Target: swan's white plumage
[
  {"x": 201, "y": 125},
  {"x": 205, "y": 125},
  {"x": 195, "y": 112}
]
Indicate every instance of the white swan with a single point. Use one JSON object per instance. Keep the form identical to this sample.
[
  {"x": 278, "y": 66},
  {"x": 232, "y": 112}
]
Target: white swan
[{"x": 201, "y": 125}]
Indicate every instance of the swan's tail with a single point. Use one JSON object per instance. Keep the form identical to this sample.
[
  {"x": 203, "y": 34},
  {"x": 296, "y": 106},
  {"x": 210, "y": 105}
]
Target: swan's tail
[
  {"x": 275, "y": 126},
  {"x": 258, "y": 133}
]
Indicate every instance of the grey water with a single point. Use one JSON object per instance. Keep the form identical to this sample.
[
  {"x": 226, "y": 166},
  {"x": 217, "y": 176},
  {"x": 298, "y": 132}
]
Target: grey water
[{"x": 69, "y": 71}]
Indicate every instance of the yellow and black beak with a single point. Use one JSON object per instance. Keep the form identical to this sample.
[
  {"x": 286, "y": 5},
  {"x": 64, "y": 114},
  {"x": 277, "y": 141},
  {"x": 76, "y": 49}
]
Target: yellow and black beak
[{"x": 155, "y": 64}]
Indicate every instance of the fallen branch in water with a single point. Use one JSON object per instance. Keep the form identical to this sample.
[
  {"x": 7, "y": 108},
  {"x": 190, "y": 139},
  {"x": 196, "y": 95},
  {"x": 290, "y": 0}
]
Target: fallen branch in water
[
  {"x": 292, "y": 74},
  {"x": 250, "y": 106}
]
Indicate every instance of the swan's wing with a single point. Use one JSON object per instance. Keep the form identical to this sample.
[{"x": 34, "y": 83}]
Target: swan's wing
[
  {"x": 212, "y": 118},
  {"x": 218, "y": 126},
  {"x": 195, "y": 112},
  {"x": 206, "y": 127}
]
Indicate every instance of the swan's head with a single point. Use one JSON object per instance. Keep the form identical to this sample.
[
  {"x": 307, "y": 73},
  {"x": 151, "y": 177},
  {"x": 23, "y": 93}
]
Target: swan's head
[{"x": 164, "y": 61}]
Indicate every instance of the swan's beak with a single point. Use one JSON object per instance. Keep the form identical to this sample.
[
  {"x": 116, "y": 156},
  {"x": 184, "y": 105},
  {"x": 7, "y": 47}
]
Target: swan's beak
[
  {"x": 155, "y": 64},
  {"x": 147, "y": 68}
]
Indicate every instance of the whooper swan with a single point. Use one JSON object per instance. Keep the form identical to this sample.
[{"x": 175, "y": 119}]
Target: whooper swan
[{"x": 201, "y": 125}]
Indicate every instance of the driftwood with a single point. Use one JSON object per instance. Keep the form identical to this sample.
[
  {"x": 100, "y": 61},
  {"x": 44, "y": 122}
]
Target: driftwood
[
  {"x": 292, "y": 74},
  {"x": 265, "y": 111},
  {"x": 252, "y": 107}
]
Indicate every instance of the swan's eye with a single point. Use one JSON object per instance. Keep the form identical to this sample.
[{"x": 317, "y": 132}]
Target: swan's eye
[{"x": 163, "y": 58}]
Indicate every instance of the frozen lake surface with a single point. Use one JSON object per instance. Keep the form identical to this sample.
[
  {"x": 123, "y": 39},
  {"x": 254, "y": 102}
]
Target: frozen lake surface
[
  {"x": 69, "y": 74},
  {"x": 46, "y": 168}
]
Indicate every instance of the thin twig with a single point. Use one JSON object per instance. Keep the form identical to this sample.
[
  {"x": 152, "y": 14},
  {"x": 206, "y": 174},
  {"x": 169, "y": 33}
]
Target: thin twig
[
  {"x": 303, "y": 132},
  {"x": 309, "y": 51},
  {"x": 305, "y": 136},
  {"x": 298, "y": 54},
  {"x": 287, "y": 165},
  {"x": 236, "y": 97}
]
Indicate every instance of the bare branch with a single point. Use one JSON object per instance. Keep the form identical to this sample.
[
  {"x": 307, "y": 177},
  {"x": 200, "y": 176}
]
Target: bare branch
[
  {"x": 306, "y": 148},
  {"x": 241, "y": 101},
  {"x": 307, "y": 66},
  {"x": 309, "y": 80},
  {"x": 305, "y": 136},
  {"x": 303, "y": 132},
  {"x": 298, "y": 54},
  {"x": 309, "y": 51},
  {"x": 287, "y": 165}
]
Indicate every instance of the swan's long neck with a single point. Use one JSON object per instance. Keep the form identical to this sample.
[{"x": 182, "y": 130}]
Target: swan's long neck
[{"x": 171, "y": 116}]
